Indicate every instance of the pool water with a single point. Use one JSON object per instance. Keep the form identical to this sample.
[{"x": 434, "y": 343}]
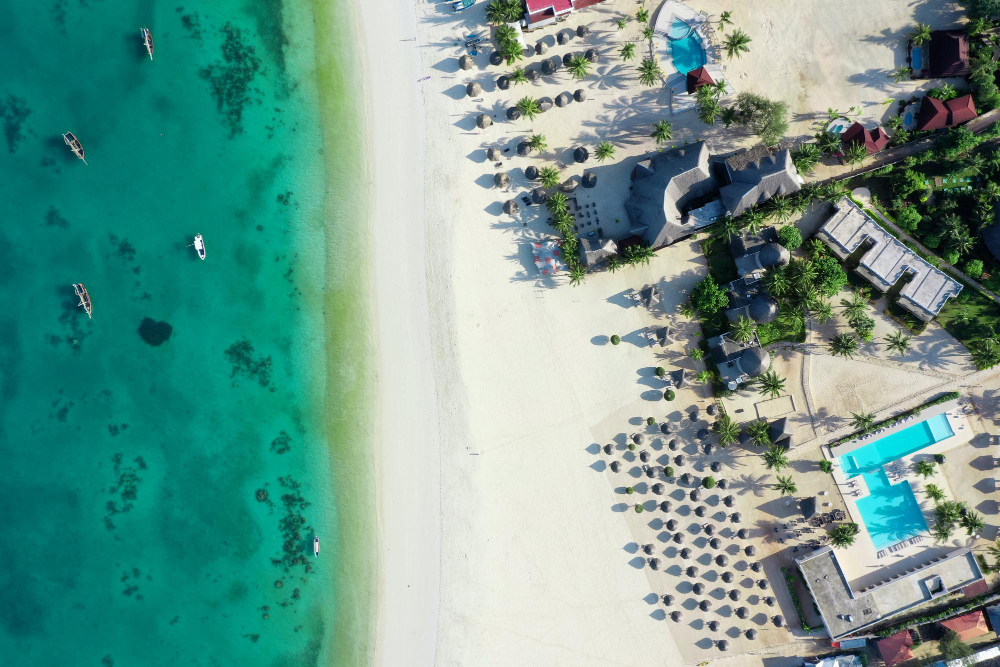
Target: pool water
[
  {"x": 896, "y": 446},
  {"x": 679, "y": 29},
  {"x": 917, "y": 59},
  {"x": 687, "y": 53}
]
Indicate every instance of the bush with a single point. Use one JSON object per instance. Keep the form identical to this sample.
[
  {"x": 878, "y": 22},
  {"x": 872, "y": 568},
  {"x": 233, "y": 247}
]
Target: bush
[
  {"x": 765, "y": 118},
  {"x": 826, "y": 466},
  {"x": 907, "y": 181},
  {"x": 697, "y": 354},
  {"x": 668, "y": 471},
  {"x": 638, "y": 508},
  {"x": 908, "y": 217},
  {"x": 932, "y": 241},
  {"x": 708, "y": 297},
  {"x": 650, "y": 421},
  {"x": 616, "y": 339},
  {"x": 939, "y": 458},
  {"x": 669, "y": 394},
  {"x": 830, "y": 275},
  {"x": 629, "y": 490},
  {"x": 974, "y": 268},
  {"x": 952, "y": 257},
  {"x": 790, "y": 237},
  {"x": 631, "y": 446},
  {"x": 661, "y": 371},
  {"x": 708, "y": 482}
]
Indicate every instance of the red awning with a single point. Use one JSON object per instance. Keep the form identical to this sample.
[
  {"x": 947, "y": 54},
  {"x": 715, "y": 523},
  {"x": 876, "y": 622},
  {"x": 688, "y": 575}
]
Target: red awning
[{"x": 697, "y": 78}]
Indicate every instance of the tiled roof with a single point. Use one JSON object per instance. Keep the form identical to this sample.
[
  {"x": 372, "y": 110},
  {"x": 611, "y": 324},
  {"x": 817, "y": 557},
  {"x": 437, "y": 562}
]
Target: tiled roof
[{"x": 896, "y": 648}]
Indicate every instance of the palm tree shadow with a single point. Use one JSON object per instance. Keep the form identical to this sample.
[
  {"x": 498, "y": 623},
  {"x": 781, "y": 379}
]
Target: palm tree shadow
[{"x": 749, "y": 484}]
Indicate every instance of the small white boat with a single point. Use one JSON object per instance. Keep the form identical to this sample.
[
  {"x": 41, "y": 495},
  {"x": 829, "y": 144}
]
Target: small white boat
[
  {"x": 74, "y": 145},
  {"x": 316, "y": 546},
  {"x": 199, "y": 245},
  {"x": 84, "y": 296},
  {"x": 147, "y": 41}
]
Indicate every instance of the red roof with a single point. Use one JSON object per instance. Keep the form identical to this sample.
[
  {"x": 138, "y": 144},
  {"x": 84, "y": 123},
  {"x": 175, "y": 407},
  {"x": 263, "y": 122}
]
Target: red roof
[
  {"x": 933, "y": 114},
  {"x": 874, "y": 140},
  {"x": 697, "y": 78},
  {"x": 549, "y": 7},
  {"x": 967, "y": 626},
  {"x": 981, "y": 586},
  {"x": 896, "y": 648},
  {"x": 960, "y": 109},
  {"x": 880, "y": 138}
]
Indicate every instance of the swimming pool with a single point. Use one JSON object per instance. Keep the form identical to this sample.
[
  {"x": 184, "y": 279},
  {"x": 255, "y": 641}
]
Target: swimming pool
[
  {"x": 917, "y": 59},
  {"x": 891, "y": 513},
  {"x": 686, "y": 49},
  {"x": 895, "y": 446}
]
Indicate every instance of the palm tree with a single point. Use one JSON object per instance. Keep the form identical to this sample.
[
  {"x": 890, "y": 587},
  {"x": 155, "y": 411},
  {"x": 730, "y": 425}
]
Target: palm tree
[
  {"x": 855, "y": 308},
  {"x": 579, "y": 67},
  {"x": 828, "y": 142},
  {"x": 729, "y": 115},
  {"x": 728, "y": 430},
  {"x": 528, "y": 106},
  {"x": 621, "y": 22},
  {"x": 901, "y": 73},
  {"x": 604, "y": 151},
  {"x": 862, "y": 420},
  {"x": 942, "y": 530},
  {"x": 648, "y": 33},
  {"x": 708, "y": 110},
  {"x": 961, "y": 242},
  {"x": 822, "y": 312},
  {"x": 499, "y": 12},
  {"x": 576, "y": 274},
  {"x": 642, "y": 15},
  {"x": 771, "y": 384},
  {"x": 776, "y": 282},
  {"x": 759, "y": 432},
  {"x": 753, "y": 220},
  {"x": 549, "y": 176},
  {"x": 803, "y": 275},
  {"x": 662, "y": 132},
  {"x": 786, "y": 486},
  {"x": 898, "y": 342},
  {"x": 994, "y": 549},
  {"x": 774, "y": 458},
  {"x": 972, "y": 522},
  {"x": 924, "y": 468},
  {"x": 934, "y": 492},
  {"x": 563, "y": 222},
  {"x": 627, "y": 52},
  {"x": 780, "y": 206},
  {"x": 921, "y": 35},
  {"x": 743, "y": 329},
  {"x": 844, "y": 345},
  {"x": 705, "y": 376},
  {"x": 806, "y": 157},
  {"x": 518, "y": 76},
  {"x": 718, "y": 88},
  {"x": 843, "y": 535},
  {"x": 538, "y": 142},
  {"x": 649, "y": 72},
  {"x": 727, "y": 227},
  {"x": 855, "y": 153},
  {"x": 725, "y": 18},
  {"x": 737, "y": 44},
  {"x": 557, "y": 203}
]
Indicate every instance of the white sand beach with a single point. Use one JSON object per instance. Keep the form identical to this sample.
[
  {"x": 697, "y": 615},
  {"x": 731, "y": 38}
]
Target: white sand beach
[{"x": 503, "y": 539}]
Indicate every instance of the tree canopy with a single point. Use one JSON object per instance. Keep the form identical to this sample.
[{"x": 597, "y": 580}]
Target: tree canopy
[{"x": 708, "y": 297}]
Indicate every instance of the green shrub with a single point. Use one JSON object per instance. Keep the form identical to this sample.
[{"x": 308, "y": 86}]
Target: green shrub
[
  {"x": 952, "y": 257},
  {"x": 629, "y": 490},
  {"x": 669, "y": 394},
  {"x": 697, "y": 354},
  {"x": 790, "y": 237},
  {"x": 932, "y": 241},
  {"x": 939, "y": 458},
  {"x": 661, "y": 371},
  {"x": 638, "y": 508},
  {"x": 908, "y": 217},
  {"x": 974, "y": 268},
  {"x": 826, "y": 466},
  {"x": 650, "y": 421},
  {"x": 631, "y": 446},
  {"x": 615, "y": 339},
  {"x": 668, "y": 471},
  {"x": 708, "y": 482}
]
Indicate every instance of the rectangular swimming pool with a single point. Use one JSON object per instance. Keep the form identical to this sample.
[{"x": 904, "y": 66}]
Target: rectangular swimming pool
[
  {"x": 891, "y": 513},
  {"x": 899, "y": 444}
]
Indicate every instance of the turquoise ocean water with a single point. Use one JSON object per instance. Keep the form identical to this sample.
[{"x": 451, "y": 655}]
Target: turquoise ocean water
[{"x": 132, "y": 532}]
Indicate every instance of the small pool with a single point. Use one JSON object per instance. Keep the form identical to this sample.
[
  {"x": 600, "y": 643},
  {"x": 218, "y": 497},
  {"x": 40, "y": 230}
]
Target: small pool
[
  {"x": 687, "y": 53},
  {"x": 679, "y": 29},
  {"x": 891, "y": 512},
  {"x": 838, "y": 125},
  {"x": 917, "y": 59},
  {"x": 895, "y": 446}
]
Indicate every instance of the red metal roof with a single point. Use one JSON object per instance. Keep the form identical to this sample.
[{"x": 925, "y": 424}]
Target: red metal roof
[
  {"x": 960, "y": 109},
  {"x": 967, "y": 626},
  {"x": 874, "y": 140},
  {"x": 895, "y": 648},
  {"x": 933, "y": 114},
  {"x": 697, "y": 78},
  {"x": 549, "y": 7}
]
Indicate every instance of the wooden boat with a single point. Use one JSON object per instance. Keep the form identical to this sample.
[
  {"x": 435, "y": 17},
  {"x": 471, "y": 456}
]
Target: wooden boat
[
  {"x": 74, "y": 145},
  {"x": 84, "y": 296},
  {"x": 316, "y": 546},
  {"x": 147, "y": 40},
  {"x": 199, "y": 245}
]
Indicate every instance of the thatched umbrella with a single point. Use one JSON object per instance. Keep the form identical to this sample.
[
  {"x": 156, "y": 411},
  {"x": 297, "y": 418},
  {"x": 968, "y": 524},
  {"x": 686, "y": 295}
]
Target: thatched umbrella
[
  {"x": 715, "y": 543},
  {"x": 494, "y": 155},
  {"x": 650, "y": 471},
  {"x": 672, "y": 444},
  {"x": 728, "y": 501},
  {"x": 531, "y": 172},
  {"x": 679, "y": 459},
  {"x": 647, "y": 549},
  {"x": 750, "y": 550},
  {"x": 541, "y": 48},
  {"x": 582, "y": 31},
  {"x": 503, "y": 83},
  {"x": 716, "y": 466},
  {"x": 735, "y": 595},
  {"x": 644, "y": 456},
  {"x": 510, "y": 207},
  {"x": 589, "y": 180},
  {"x": 562, "y": 99},
  {"x": 638, "y": 438},
  {"x": 695, "y": 414},
  {"x": 712, "y": 409},
  {"x": 654, "y": 563},
  {"x": 779, "y": 620},
  {"x": 580, "y": 95},
  {"x": 703, "y": 434},
  {"x": 672, "y": 524},
  {"x": 608, "y": 448},
  {"x": 750, "y": 634},
  {"x": 665, "y": 428},
  {"x": 685, "y": 553},
  {"x": 692, "y": 571},
  {"x": 665, "y": 506},
  {"x": 722, "y": 484},
  {"x": 709, "y": 529},
  {"x": 755, "y": 566},
  {"x": 708, "y": 448},
  {"x": 686, "y": 478},
  {"x": 722, "y": 560},
  {"x": 539, "y": 195},
  {"x": 713, "y": 625},
  {"x": 563, "y": 38},
  {"x": 699, "y": 511},
  {"x": 735, "y": 517},
  {"x": 592, "y": 55},
  {"x": 668, "y": 599},
  {"x": 513, "y": 113},
  {"x": 705, "y": 605},
  {"x": 695, "y": 495},
  {"x": 568, "y": 58},
  {"x": 544, "y": 104},
  {"x": 762, "y": 584},
  {"x": 742, "y": 533},
  {"x": 676, "y": 616},
  {"x": 473, "y": 89},
  {"x": 614, "y": 465},
  {"x": 466, "y": 62},
  {"x": 501, "y": 180},
  {"x": 523, "y": 148},
  {"x": 727, "y": 577},
  {"x": 569, "y": 185},
  {"x": 548, "y": 68},
  {"x": 742, "y": 612},
  {"x": 483, "y": 121},
  {"x": 581, "y": 154},
  {"x": 658, "y": 489},
  {"x": 496, "y": 58},
  {"x": 678, "y": 538},
  {"x": 533, "y": 75},
  {"x": 723, "y": 644},
  {"x": 769, "y": 601}
]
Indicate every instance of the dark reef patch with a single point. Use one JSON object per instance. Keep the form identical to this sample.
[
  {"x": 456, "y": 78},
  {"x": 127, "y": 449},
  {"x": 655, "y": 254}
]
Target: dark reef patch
[
  {"x": 231, "y": 79},
  {"x": 155, "y": 333},
  {"x": 282, "y": 443},
  {"x": 126, "y": 489},
  {"x": 191, "y": 23},
  {"x": 293, "y": 527},
  {"x": 54, "y": 219},
  {"x": 241, "y": 355},
  {"x": 14, "y": 111}
]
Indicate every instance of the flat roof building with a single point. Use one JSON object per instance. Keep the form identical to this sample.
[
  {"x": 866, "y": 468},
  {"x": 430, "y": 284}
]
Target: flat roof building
[{"x": 886, "y": 260}]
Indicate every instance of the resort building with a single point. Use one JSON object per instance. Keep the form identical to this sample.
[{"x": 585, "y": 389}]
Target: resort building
[
  {"x": 755, "y": 175},
  {"x": 936, "y": 115},
  {"x": 896, "y": 648},
  {"x": 594, "y": 251},
  {"x": 849, "y": 660},
  {"x": 737, "y": 362},
  {"x": 991, "y": 237},
  {"x": 753, "y": 254},
  {"x": 885, "y": 261},
  {"x": 845, "y": 611},
  {"x": 540, "y": 13},
  {"x": 874, "y": 140},
  {"x": 967, "y": 626},
  {"x": 750, "y": 300},
  {"x": 948, "y": 54}
]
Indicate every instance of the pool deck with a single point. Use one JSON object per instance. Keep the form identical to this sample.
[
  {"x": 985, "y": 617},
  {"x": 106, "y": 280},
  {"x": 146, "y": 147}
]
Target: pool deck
[
  {"x": 700, "y": 23},
  {"x": 863, "y": 563}
]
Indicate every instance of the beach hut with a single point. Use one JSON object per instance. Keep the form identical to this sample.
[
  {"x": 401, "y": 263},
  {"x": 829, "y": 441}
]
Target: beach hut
[
  {"x": 654, "y": 563},
  {"x": 672, "y": 524},
  {"x": 541, "y": 48},
  {"x": 695, "y": 495},
  {"x": 523, "y": 148},
  {"x": 503, "y": 83},
  {"x": 699, "y": 511},
  {"x": 713, "y": 625},
  {"x": 513, "y": 113},
  {"x": 483, "y": 121},
  {"x": 762, "y": 584},
  {"x": 742, "y": 533},
  {"x": 644, "y": 456},
  {"x": 686, "y": 478},
  {"x": 466, "y": 62},
  {"x": 582, "y": 31},
  {"x": 697, "y": 78},
  {"x": 679, "y": 460},
  {"x": 668, "y": 599},
  {"x": 672, "y": 444},
  {"x": 678, "y": 538},
  {"x": 742, "y": 612},
  {"x": 510, "y": 207},
  {"x": 496, "y": 58},
  {"x": 728, "y": 501},
  {"x": 698, "y": 588},
  {"x": 539, "y": 195},
  {"x": 548, "y": 69},
  {"x": 722, "y": 560},
  {"x": 735, "y": 517},
  {"x": 712, "y": 409},
  {"x": 501, "y": 179},
  {"x": 755, "y": 566},
  {"x": 808, "y": 507},
  {"x": 580, "y": 154},
  {"x": 650, "y": 471},
  {"x": 562, "y": 99},
  {"x": 715, "y": 466},
  {"x": 638, "y": 438},
  {"x": 695, "y": 414},
  {"x": 494, "y": 155},
  {"x": 614, "y": 465},
  {"x": 568, "y": 58},
  {"x": 592, "y": 55},
  {"x": 608, "y": 448},
  {"x": 722, "y": 484},
  {"x": 769, "y": 601},
  {"x": 647, "y": 549},
  {"x": 580, "y": 95},
  {"x": 665, "y": 428},
  {"x": 531, "y": 172},
  {"x": 704, "y": 433},
  {"x": 750, "y": 634},
  {"x": 715, "y": 543},
  {"x": 709, "y": 529},
  {"x": 473, "y": 89},
  {"x": 658, "y": 489},
  {"x": 692, "y": 571},
  {"x": 544, "y": 104},
  {"x": 727, "y": 577},
  {"x": 563, "y": 37}
]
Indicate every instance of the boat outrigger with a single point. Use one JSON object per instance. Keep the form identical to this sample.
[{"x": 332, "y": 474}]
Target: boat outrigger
[
  {"x": 147, "y": 40},
  {"x": 199, "y": 245},
  {"x": 316, "y": 546},
  {"x": 84, "y": 296},
  {"x": 74, "y": 145}
]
